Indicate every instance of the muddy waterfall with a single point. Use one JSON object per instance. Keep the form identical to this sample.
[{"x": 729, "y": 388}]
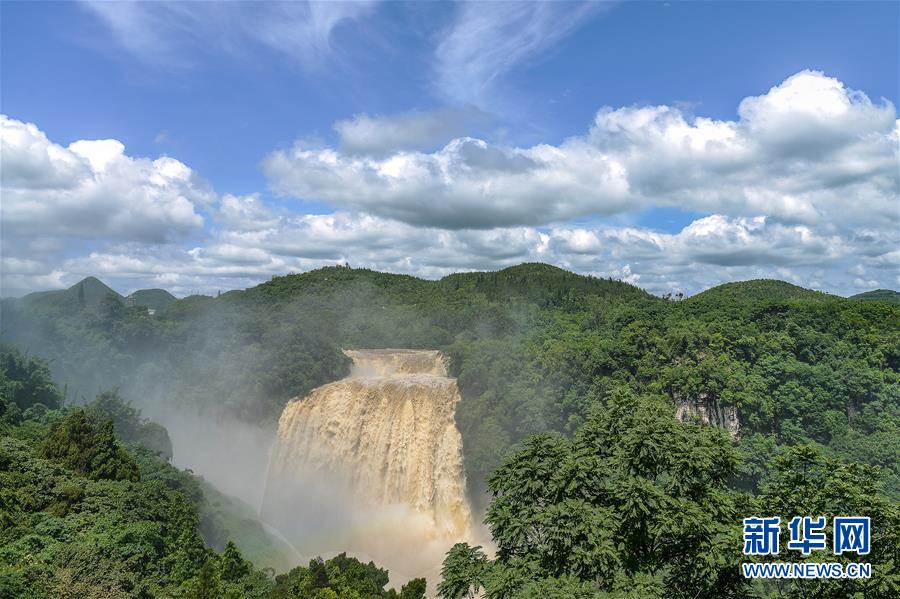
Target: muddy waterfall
[{"x": 372, "y": 463}]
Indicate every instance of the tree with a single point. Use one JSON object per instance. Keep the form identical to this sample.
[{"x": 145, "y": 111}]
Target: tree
[
  {"x": 26, "y": 381},
  {"x": 635, "y": 495},
  {"x": 109, "y": 405},
  {"x": 9, "y": 411},
  {"x": 110, "y": 461},
  {"x": 318, "y": 575},
  {"x": 71, "y": 443},
  {"x": 95, "y": 453},
  {"x": 232, "y": 565},
  {"x": 129, "y": 425},
  {"x": 805, "y": 482},
  {"x": 414, "y": 589},
  {"x": 463, "y": 572},
  {"x": 207, "y": 583}
]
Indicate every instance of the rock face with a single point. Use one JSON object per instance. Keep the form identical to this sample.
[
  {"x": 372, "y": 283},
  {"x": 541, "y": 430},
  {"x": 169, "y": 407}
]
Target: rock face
[
  {"x": 376, "y": 451},
  {"x": 707, "y": 410}
]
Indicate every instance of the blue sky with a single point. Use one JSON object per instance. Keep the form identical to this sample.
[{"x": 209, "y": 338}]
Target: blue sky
[{"x": 249, "y": 99}]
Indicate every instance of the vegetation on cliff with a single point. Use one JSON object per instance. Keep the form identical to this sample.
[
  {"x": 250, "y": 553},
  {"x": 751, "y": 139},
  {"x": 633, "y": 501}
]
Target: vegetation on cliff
[
  {"x": 814, "y": 380},
  {"x": 84, "y": 514},
  {"x": 638, "y": 504},
  {"x": 534, "y": 348}
]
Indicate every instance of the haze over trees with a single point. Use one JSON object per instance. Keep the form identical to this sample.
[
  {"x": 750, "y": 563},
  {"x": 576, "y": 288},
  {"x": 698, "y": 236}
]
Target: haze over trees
[
  {"x": 559, "y": 373},
  {"x": 85, "y": 514}
]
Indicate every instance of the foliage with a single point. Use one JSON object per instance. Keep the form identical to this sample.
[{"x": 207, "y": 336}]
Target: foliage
[
  {"x": 129, "y": 424},
  {"x": 534, "y": 347},
  {"x": 88, "y": 450},
  {"x": 638, "y": 504},
  {"x": 806, "y": 482},
  {"x": 536, "y": 351},
  {"x": 463, "y": 572},
  {"x": 343, "y": 577},
  {"x": 26, "y": 381},
  {"x": 107, "y": 537},
  {"x": 155, "y": 299},
  {"x": 83, "y": 515},
  {"x": 636, "y": 493},
  {"x": 878, "y": 295},
  {"x": 763, "y": 290}
]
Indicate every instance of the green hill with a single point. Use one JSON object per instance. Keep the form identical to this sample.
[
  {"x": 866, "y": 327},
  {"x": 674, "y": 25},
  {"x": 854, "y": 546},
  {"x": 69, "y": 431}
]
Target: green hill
[
  {"x": 155, "y": 299},
  {"x": 762, "y": 289},
  {"x": 540, "y": 283},
  {"x": 533, "y": 347},
  {"x": 87, "y": 292},
  {"x": 532, "y": 282},
  {"x": 878, "y": 295},
  {"x": 335, "y": 278}
]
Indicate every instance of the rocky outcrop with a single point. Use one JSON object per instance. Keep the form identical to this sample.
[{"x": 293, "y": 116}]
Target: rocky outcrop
[{"x": 709, "y": 410}]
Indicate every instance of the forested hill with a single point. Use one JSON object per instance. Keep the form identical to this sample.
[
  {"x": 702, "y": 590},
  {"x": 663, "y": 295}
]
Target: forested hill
[
  {"x": 87, "y": 292},
  {"x": 531, "y": 282},
  {"x": 804, "y": 381},
  {"x": 155, "y": 299},
  {"x": 762, "y": 290},
  {"x": 878, "y": 295},
  {"x": 534, "y": 348}
]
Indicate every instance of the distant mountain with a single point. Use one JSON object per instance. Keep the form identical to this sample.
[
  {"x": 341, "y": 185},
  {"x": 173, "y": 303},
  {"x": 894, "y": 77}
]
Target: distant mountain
[
  {"x": 543, "y": 284},
  {"x": 155, "y": 299},
  {"x": 878, "y": 295},
  {"x": 88, "y": 292},
  {"x": 537, "y": 282},
  {"x": 762, "y": 289}
]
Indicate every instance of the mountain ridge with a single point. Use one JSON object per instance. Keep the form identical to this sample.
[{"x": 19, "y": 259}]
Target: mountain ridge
[
  {"x": 520, "y": 277},
  {"x": 877, "y": 295}
]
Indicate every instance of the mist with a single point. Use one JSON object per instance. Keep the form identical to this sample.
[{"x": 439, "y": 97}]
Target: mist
[
  {"x": 372, "y": 463},
  {"x": 218, "y": 373},
  {"x": 231, "y": 454}
]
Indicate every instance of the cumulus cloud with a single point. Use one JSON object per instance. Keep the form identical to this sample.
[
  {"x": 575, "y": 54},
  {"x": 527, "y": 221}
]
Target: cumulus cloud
[
  {"x": 246, "y": 213},
  {"x": 807, "y": 151},
  {"x": 168, "y": 34},
  {"x": 708, "y": 251},
  {"x": 231, "y": 258},
  {"x": 415, "y": 130},
  {"x": 92, "y": 188},
  {"x": 467, "y": 184},
  {"x": 801, "y": 186}
]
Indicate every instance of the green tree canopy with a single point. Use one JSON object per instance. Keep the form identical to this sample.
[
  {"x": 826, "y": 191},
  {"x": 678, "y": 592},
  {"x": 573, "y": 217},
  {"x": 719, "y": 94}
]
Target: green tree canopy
[
  {"x": 78, "y": 445},
  {"x": 637, "y": 495},
  {"x": 26, "y": 381}
]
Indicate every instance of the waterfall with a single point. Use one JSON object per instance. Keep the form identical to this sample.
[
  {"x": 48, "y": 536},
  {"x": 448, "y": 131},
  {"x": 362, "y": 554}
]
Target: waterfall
[{"x": 372, "y": 464}]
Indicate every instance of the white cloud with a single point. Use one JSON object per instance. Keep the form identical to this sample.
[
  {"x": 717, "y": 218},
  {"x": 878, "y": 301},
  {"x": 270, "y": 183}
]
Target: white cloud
[
  {"x": 92, "y": 188},
  {"x": 802, "y": 186},
  {"x": 169, "y": 34},
  {"x": 468, "y": 183},
  {"x": 244, "y": 213},
  {"x": 808, "y": 151},
  {"x": 416, "y": 130},
  {"x": 24, "y": 273},
  {"x": 708, "y": 251}
]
